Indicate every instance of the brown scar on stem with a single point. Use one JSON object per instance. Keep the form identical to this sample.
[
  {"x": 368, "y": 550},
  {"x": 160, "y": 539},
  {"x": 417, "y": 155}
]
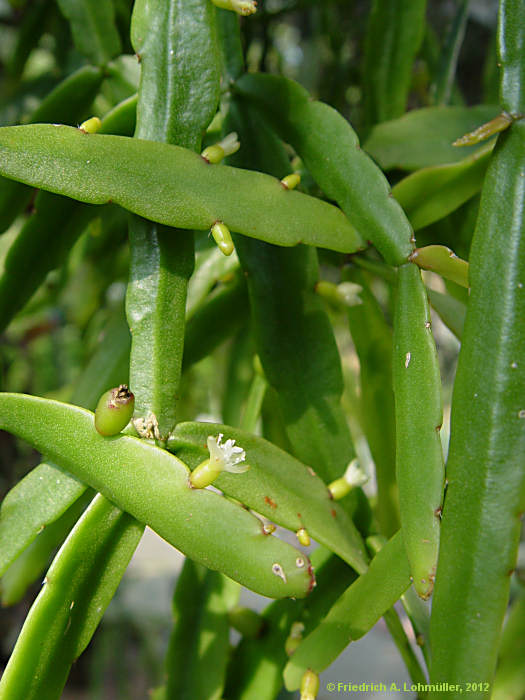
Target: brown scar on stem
[
  {"x": 313, "y": 582},
  {"x": 438, "y": 512},
  {"x": 438, "y": 427},
  {"x": 333, "y": 513},
  {"x": 270, "y": 502}
]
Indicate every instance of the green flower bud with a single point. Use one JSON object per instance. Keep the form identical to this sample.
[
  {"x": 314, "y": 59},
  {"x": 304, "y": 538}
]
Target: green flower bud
[
  {"x": 222, "y": 236},
  {"x": 91, "y": 126},
  {"x": 290, "y": 182},
  {"x": 294, "y": 638},
  {"x": 114, "y": 410},
  {"x": 309, "y": 685},
  {"x": 303, "y": 537}
]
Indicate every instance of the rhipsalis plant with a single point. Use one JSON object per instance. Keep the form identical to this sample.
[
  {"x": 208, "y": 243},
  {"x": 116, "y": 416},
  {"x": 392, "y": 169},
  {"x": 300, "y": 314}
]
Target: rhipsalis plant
[{"x": 234, "y": 271}]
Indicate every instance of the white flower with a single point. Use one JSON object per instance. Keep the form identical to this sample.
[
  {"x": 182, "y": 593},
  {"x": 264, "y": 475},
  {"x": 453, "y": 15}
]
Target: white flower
[
  {"x": 227, "y": 456},
  {"x": 297, "y": 630},
  {"x": 230, "y": 143},
  {"x": 354, "y": 475},
  {"x": 218, "y": 151},
  {"x": 244, "y": 7},
  {"x": 349, "y": 293}
]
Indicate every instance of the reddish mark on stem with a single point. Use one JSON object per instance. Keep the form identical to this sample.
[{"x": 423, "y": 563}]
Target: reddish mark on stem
[
  {"x": 333, "y": 513},
  {"x": 269, "y": 502},
  {"x": 313, "y": 582},
  {"x": 438, "y": 512}
]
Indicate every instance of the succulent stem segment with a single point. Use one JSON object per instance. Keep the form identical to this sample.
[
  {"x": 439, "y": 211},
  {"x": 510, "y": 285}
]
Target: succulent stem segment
[
  {"x": 485, "y": 131},
  {"x": 443, "y": 261}
]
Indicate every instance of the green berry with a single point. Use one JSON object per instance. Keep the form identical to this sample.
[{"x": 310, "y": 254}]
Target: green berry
[{"x": 114, "y": 410}]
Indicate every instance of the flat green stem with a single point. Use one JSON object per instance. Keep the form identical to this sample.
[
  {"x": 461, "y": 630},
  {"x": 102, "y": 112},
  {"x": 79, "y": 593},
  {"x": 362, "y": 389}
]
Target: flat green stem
[
  {"x": 169, "y": 185},
  {"x": 354, "y": 614},
  {"x": 78, "y": 587},
  {"x": 153, "y": 486},
  {"x": 444, "y": 261}
]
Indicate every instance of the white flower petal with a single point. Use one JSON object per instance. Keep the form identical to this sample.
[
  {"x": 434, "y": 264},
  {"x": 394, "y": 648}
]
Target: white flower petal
[
  {"x": 238, "y": 468},
  {"x": 349, "y": 293},
  {"x": 354, "y": 475},
  {"x": 230, "y": 144},
  {"x": 228, "y": 456}
]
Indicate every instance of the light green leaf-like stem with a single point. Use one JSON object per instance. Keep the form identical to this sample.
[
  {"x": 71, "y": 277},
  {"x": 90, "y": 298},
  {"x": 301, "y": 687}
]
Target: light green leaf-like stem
[
  {"x": 419, "y": 415},
  {"x": 153, "y": 486},
  {"x": 169, "y": 185}
]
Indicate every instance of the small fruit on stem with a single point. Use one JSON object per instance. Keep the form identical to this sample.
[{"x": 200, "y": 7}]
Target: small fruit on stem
[{"x": 114, "y": 410}]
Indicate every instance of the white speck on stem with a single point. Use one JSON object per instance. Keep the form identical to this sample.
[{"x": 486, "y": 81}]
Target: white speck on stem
[
  {"x": 514, "y": 365},
  {"x": 521, "y": 414},
  {"x": 407, "y": 359},
  {"x": 277, "y": 569}
]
